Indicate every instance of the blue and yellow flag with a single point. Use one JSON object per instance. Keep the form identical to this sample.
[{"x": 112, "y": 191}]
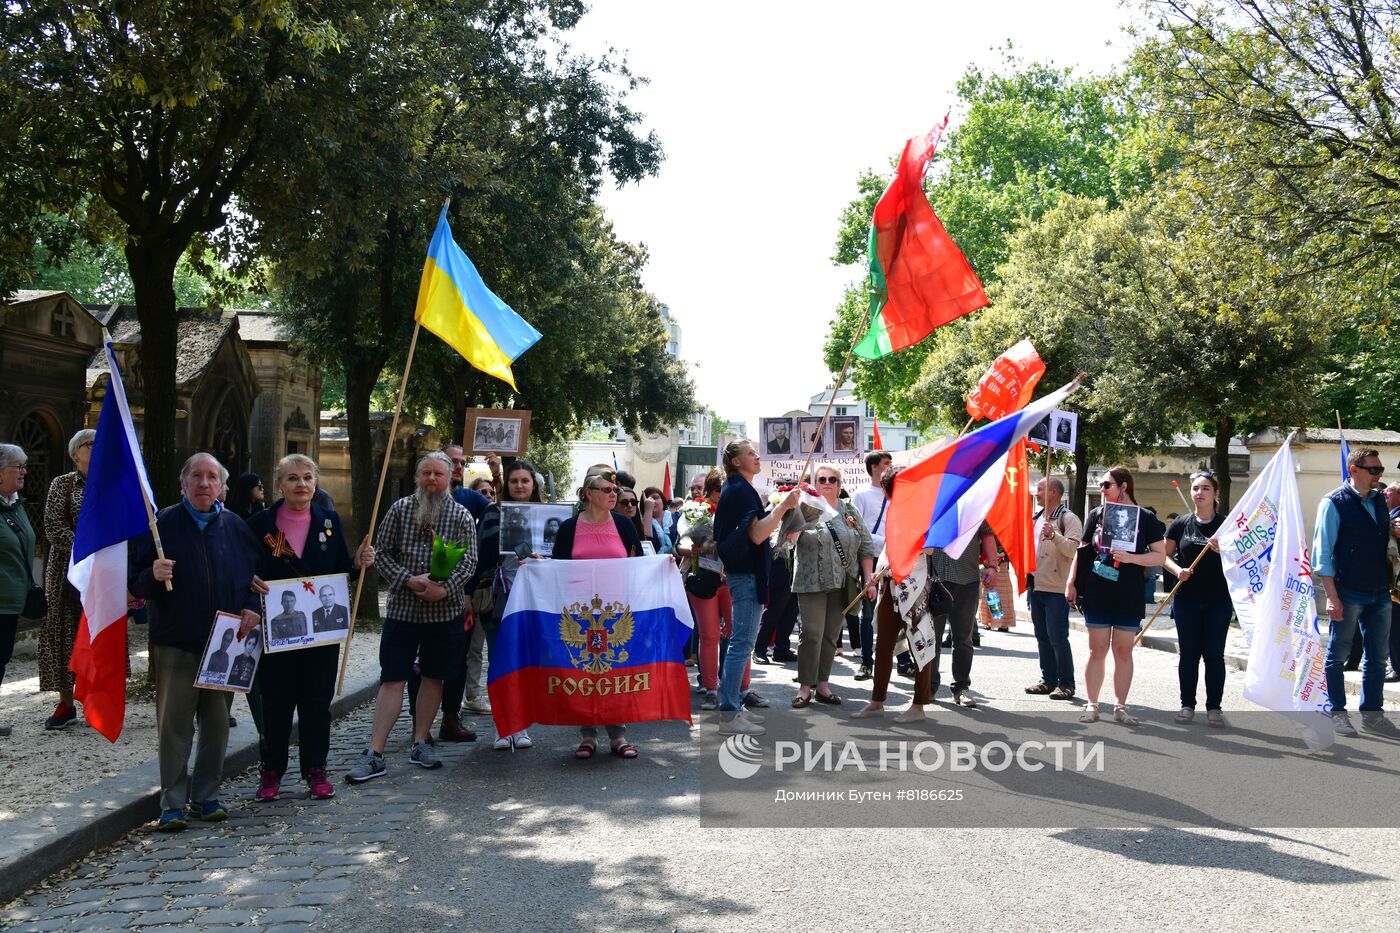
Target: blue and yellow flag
[{"x": 455, "y": 304}]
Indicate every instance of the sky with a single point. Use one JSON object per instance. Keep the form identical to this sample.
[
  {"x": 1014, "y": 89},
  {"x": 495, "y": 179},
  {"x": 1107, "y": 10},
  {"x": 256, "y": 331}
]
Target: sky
[{"x": 768, "y": 112}]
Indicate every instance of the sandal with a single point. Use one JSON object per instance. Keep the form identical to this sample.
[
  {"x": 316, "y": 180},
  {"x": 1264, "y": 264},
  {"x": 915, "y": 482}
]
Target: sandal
[
  {"x": 625, "y": 750},
  {"x": 1121, "y": 714},
  {"x": 801, "y": 702},
  {"x": 1040, "y": 689},
  {"x": 586, "y": 750},
  {"x": 830, "y": 699},
  {"x": 1090, "y": 715}
]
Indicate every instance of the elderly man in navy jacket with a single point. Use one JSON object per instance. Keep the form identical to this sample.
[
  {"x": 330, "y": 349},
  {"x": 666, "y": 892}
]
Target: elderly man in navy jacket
[{"x": 210, "y": 559}]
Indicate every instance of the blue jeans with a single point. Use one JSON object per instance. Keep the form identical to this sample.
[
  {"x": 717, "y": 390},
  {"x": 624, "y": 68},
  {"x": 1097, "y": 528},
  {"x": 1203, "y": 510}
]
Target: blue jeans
[
  {"x": 743, "y": 596},
  {"x": 1050, "y": 619},
  {"x": 1371, "y": 613},
  {"x": 1202, "y": 630}
]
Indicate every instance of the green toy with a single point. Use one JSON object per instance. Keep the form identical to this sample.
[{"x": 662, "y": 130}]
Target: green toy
[{"x": 446, "y": 557}]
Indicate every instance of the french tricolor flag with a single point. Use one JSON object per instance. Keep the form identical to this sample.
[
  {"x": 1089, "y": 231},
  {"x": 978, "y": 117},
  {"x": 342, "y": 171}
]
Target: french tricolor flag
[
  {"x": 941, "y": 501},
  {"x": 116, "y": 508}
]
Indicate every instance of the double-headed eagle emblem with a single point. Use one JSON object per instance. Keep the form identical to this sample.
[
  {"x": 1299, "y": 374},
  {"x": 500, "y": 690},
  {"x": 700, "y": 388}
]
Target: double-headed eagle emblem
[{"x": 595, "y": 634}]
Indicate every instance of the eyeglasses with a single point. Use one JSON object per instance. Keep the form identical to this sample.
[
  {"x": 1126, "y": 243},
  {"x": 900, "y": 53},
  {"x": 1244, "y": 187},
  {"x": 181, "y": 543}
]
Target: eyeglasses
[
  {"x": 1107, "y": 484},
  {"x": 827, "y": 480},
  {"x": 1374, "y": 471},
  {"x": 84, "y": 444}
]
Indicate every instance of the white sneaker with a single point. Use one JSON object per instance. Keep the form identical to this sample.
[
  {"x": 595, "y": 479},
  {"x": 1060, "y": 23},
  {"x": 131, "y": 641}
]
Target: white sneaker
[
  {"x": 752, "y": 717},
  {"x": 478, "y": 704},
  {"x": 502, "y": 743},
  {"x": 740, "y": 726},
  {"x": 522, "y": 739},
  {"x": 1341, "y": 723}
]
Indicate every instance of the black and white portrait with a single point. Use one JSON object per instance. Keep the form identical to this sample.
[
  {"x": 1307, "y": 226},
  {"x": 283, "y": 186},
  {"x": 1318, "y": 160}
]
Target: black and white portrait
[
  {"x": 777, "y": 437},
  {"x": 229, "y": 662},
  {"x": 1064, "y": 428},
  {"x": 1120, "y": 526},
  {"x": 305, "y": 612},
  {"x": 1040, "y": 433},
  {"x": 810, "y": 438},
  {"x": 532, "y": 524}
]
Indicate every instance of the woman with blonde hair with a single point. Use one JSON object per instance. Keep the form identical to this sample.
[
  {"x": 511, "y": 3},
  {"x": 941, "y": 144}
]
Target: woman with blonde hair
[{"x": 60, "y": 626}]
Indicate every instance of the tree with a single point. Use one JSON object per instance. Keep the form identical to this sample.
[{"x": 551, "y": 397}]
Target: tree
[
  {"x": 155, "y": 111},
  {"x": 1031, "y": 134},
  {"x": 463, "y": 100}
]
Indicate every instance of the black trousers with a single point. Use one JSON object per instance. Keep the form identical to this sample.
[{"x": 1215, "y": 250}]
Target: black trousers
[
  {"x": 962, "y": 622},
  {"x": 304, "y": 681},
  {"x": 9, "y": 626},
  {"x": 780, "y": 615}
]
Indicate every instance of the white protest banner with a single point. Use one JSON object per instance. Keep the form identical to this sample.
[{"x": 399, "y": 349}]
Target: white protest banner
[{"x": 1264, "y": 552}]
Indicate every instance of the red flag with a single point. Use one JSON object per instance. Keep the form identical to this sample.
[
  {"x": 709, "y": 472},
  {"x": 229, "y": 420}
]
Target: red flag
[
  {"x": 666, "y": 484},
  {"x": 1007, "y": 384},
  {"x": 1010, "y": 516},
  {"x": 926, "y": 280},
  {"x": 878, "y": 444}
]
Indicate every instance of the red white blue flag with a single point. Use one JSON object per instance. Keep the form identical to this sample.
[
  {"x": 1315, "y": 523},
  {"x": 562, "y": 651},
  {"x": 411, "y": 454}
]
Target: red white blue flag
[
  {"x": 941, "y": 501},
  {"x": 592, "y": 642},
  {"x": 113, "y": 512}
]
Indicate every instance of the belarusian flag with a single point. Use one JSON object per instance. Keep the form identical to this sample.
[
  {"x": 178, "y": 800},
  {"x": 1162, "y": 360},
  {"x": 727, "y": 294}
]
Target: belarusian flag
[{"x": 919, "y": 279}]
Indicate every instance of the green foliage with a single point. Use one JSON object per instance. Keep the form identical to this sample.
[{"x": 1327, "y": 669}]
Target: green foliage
[
  {"x": 553, "y": 457},
  {"x": 719, "y": 426},
  {"x": 96, "y": 273}
]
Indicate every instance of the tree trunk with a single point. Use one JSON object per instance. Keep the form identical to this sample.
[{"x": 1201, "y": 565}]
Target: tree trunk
[
  {"x": 1224, "y": 431},
  {"x": 1077, "y": 503},
  {"x": 152, "y": 270},
  {"x": 364, "y": 470}
]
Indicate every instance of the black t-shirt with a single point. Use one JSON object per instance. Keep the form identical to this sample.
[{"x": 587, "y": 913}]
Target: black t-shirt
[
  {"x": 1207, "y": 583},
  {"x": 1121, "y": 598}
]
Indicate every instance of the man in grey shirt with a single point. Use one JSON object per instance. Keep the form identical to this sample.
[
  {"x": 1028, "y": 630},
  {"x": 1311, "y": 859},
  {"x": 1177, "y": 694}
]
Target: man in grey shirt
[{"x": 960, "y": 576}]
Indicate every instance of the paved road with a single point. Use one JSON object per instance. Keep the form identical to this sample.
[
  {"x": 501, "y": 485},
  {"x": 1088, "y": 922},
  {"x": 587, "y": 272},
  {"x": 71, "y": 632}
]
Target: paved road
[{"x": 536, "y": 840}]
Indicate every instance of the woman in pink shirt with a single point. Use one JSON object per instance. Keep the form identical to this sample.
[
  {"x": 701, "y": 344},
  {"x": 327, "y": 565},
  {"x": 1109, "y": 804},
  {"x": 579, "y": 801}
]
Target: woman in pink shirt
[{"x": 595, "y": 533}]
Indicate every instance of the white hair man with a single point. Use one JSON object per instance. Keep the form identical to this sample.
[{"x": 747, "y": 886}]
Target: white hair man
[{"x": 425, "y": 615}]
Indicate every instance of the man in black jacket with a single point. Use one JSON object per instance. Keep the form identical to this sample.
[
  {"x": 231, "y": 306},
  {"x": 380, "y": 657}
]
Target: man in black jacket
[{"x": 210, "y": 558}]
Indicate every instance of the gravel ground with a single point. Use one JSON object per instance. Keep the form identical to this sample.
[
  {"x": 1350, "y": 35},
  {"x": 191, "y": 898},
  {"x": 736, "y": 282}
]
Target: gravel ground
[
  {"x": 536, "y": 840},
  {"x": 41, "y": 767}
]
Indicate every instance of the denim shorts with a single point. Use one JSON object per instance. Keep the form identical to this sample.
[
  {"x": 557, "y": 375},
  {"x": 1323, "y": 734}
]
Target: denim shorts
[
  {"x": 437, "y": 646},
  {"x": 1107, "y": 620}
]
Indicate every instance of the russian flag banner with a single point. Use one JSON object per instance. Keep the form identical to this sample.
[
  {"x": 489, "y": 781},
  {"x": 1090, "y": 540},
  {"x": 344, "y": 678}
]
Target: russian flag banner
[
  {"x": 591, "y": 642},
  {"x": 941, "y": 501},
  {"x": 114, "y": 511}
]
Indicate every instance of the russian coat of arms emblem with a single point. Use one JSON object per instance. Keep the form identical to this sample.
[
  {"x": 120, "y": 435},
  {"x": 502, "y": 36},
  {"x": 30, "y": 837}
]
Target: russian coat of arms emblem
[{"x": 595, "y": 634}]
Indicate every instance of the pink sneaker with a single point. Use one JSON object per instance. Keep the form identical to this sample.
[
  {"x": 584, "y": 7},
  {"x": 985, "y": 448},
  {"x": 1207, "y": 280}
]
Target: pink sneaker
[
  {"x": 269, "y": 786},
  {"x": 321, "y": 787}
]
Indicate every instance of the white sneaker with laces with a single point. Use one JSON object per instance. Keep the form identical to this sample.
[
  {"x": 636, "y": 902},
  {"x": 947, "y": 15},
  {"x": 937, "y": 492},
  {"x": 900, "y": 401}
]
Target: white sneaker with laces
[
  {"x": 740, "y": 726},
  {"x": 522, "y": 739},
  {"x": 502, "y": 743}
]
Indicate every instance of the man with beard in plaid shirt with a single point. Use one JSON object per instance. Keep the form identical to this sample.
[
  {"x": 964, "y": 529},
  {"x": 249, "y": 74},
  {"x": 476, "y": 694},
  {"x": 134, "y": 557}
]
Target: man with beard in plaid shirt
[{"x": 424, "y": 618}]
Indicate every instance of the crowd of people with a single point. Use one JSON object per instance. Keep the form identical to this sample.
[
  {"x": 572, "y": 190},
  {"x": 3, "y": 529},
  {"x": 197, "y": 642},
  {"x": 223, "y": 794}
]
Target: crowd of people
[{"x": 223, "y": 541}]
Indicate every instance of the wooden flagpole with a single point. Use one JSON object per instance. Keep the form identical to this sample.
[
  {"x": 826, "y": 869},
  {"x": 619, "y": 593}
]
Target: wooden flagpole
[{"x": 374, "y": 512}]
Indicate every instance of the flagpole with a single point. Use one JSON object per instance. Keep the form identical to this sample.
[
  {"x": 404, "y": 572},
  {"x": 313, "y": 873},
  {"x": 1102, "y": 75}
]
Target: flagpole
[
  {"x": 374, "y": 512},
  {"x": 1166, "y": 602}
]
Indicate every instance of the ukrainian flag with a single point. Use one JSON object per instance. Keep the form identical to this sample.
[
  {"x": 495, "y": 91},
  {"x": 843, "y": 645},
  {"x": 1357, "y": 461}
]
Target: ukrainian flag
[{"x": 455, "y": 304}]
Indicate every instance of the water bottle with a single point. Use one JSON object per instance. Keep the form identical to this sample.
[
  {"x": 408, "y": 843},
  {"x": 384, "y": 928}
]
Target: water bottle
[{"x": 994, "y": 602}]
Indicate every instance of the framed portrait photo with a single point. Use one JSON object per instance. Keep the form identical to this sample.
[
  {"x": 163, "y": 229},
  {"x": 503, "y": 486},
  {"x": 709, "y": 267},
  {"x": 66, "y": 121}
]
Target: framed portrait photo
[
  {"x": 1040, "y": 432},
  {"x": 305, "y": 612},
  {"x": 504, "y": 431},
  {"x": 809, "y": 436},
  {"x": 779, "y": 437},
  {"x": 847, "y": 440},
  {"x": 229, "y": 662}
]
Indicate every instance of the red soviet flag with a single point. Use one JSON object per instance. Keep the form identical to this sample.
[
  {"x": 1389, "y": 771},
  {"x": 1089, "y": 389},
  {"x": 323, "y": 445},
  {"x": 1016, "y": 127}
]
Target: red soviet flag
[
  {"x": 1010, "y": 516},
  {"x": 1007, "y": 384},
  {"x": 876, "y": 440}
]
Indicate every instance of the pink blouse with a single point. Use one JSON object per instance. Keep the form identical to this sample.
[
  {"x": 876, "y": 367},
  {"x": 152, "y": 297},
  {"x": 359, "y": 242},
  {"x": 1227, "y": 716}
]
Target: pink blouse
[{"x": 592, "y": 542}]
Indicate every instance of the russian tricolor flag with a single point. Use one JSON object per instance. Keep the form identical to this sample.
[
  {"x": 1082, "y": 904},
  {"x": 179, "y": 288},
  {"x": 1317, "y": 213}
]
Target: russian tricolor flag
[
  {"x": 942, "y": 500},
  {"x": 115, "y": 510},
  {"x": 591, "y": 642}
]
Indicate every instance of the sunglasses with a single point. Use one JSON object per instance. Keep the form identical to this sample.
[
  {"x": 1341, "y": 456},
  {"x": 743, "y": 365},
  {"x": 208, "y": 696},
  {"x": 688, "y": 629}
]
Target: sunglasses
[
  {"x": 632, "y": 503},
  {"x": 1374, "y": 471},
  {"x": 1203, "y": 474},
  {"x": 605, "y": 490},
  {"x": 826, "y": 480},
  {"x": 1107, "y": 484}
]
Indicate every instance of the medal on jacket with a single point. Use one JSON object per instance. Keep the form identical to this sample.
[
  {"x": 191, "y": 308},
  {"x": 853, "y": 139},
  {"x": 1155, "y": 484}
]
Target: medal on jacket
[
  {"x": 279, "y": 545},
  {"x": 327, "y": 533}
]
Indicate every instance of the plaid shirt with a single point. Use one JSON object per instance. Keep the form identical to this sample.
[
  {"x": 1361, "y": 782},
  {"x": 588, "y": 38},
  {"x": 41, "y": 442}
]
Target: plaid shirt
[{"x": 403, "y": 550}]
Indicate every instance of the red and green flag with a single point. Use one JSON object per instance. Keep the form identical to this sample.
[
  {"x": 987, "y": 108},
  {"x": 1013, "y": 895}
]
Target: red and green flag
[{"x": 919, "y": 279}]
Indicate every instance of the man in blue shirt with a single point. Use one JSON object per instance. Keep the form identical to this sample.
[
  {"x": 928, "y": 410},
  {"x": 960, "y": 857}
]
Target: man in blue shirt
[
  {"x": 1349, "y": 555},
  {"x": 469, "y": 499},
  {"x": 1392, "y": 500}
]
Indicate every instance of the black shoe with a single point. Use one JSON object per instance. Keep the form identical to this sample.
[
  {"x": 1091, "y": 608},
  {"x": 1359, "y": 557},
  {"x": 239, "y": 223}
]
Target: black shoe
[
  {"x": 783, "y": 657},
  {"x": 1392, "y": 677},
  {"x": 908, "y": 670},
  {"x": 864, "y": 673},
  {"x": 976, "y": 640},
  {"x": 232, "y": 723},
  {"x": 948, "y": 642},
  {"x": 761, "y": 657}
]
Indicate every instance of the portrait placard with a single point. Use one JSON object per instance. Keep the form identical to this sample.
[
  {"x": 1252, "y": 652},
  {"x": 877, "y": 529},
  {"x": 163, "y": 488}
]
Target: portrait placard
[
  {"x": 847, "y": 438},
  {"x": 1040, "y": 431},
  {"x": 531, "y": 525},
  {"x": 779, "y": 437},
  {"x": 1064, "y": 429},
  {"x": 504, "y": 431},
  {"x": 810, "y": 436},
  {"x": 304, "y": 612},
  {"x": 1120, "y": 526},
  {"x": 229, "y": 662}
]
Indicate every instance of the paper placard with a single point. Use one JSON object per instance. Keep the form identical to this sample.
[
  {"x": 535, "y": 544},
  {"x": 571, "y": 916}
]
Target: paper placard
[
  {"x": 303, "y": 612},
  {"x": 504, "y": 431},
  {"x": 531, "y": 525},
  {"x": 229, "y": 662}
]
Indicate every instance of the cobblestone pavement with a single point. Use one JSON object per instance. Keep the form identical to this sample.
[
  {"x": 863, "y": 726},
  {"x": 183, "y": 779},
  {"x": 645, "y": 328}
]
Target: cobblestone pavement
[{"x": 273, "y": 865}]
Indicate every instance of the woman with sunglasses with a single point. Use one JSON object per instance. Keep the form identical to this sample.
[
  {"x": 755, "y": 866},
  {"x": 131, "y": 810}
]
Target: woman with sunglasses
[
  {"x": 1106, "y": 583},
  {"x": 629, "y": 507},
  {"x": 595, "y": 533},
  {"x": 1202, "y": 606},
  {"x": 497, "y": 571},
  {"x": 837, "y": 550}
]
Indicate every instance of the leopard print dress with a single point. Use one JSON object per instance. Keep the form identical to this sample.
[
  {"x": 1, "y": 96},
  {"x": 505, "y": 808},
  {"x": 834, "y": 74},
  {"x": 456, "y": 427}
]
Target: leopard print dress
[{"x": 60, "y": 627}]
